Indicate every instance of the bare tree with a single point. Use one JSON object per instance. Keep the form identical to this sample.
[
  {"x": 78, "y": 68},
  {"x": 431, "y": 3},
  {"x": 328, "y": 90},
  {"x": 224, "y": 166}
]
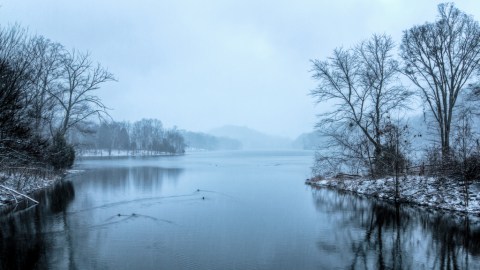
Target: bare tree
[
  {"x": 46, "y": 58},
  {"x": 76, "y": 97},
  {"x": 440, "y": 59},
  {"x": 339, "y": 80},
  {"x": 363, "y": 85},
  {"x": 15, "y": 56},
  {"x": 41, "y": 84},
  {"x": 36, "y": 62},
  {"x": 466, "y": 159},
  {"x": 19, "y": 146}
]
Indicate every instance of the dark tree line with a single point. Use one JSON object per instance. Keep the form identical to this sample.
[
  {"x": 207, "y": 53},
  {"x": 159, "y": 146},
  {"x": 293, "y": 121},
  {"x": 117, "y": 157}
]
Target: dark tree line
[
  {"x": 367, "y": 124},
  {"x": 45, "y": 92},
  {"x": 147, "y": 136}
]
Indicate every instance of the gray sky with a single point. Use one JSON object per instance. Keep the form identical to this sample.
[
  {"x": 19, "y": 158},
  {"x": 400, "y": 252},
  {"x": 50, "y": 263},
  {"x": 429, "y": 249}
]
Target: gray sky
[{"x": 202, "y": 64}]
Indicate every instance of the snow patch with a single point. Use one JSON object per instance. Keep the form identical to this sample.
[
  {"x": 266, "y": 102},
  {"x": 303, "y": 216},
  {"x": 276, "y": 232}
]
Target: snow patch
[
  {"x": 443, "y": 194},
  {"x": 119, "y": 153},
  {"x": 25, "y": 183}
]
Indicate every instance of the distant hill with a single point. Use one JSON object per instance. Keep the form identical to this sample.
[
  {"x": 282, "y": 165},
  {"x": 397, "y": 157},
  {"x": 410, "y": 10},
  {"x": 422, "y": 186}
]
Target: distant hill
[
  {"x": 203, "y": 141},
  {"x": 252, "y": 139},
  {"x": 308, "y": 141}
]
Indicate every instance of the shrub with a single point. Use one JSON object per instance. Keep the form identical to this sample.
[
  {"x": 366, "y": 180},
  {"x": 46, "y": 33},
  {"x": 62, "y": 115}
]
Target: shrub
[
  {"x": 61, "y": 154},
  {"x": 468, "y": 169},
  {"x": 389, "y": 162}
]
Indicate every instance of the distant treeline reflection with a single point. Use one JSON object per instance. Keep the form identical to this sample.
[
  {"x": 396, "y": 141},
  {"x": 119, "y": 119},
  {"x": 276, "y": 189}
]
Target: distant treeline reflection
[{"x": 145, "y": 178}]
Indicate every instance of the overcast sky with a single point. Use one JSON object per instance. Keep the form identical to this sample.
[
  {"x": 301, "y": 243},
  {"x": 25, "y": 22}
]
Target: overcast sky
[{"x": 203, "y": 64}]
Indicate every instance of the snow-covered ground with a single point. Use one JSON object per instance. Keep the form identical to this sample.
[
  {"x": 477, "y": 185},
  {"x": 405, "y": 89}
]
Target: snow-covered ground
[
  {"x": 24, "y": 183},
  {"x": 428, "y": 191},
  {"x": 117, "y": 153}
]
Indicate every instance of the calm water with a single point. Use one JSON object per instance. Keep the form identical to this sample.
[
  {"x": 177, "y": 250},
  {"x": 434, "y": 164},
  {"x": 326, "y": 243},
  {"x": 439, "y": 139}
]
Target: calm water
[{"x": 224, "y": 210}]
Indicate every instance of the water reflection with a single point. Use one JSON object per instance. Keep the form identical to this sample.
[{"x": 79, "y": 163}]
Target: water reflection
[
  {"x": 379, "y": 235},
  {"x": 53, "y": 234},
  {"x": 143, "y": 179},
  {"x": 23, "y": 241},
  {"x": 148, "y": 214}
]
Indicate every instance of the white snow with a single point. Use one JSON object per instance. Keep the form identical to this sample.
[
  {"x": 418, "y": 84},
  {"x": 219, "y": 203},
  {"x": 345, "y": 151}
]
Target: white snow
[
  {"x": 72, "y": 171},
  {"x": 433, "y": 192},
  {"x": 118, "y": 153},
  {"x": 25, "y": 183}
]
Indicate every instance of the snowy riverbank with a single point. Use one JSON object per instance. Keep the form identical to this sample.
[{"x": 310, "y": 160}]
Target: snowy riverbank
[
  {"x": 427, "y": 191},
  {"x": 119, "y": 153},
  {"x": 13, "y": 185}
]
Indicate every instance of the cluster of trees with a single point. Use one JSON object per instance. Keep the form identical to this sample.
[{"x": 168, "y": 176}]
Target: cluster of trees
[
  {"x": 371, "y": 88},
  {"x": 45, "y": 92},
  {"x": 146, "y": 135}
]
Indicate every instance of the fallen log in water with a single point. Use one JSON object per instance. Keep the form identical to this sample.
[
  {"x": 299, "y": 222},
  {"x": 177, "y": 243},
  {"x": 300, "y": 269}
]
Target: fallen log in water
[{"x": 18, "y": 193}]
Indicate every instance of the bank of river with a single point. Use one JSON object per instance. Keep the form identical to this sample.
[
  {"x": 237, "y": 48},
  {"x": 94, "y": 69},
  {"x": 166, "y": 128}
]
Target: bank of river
[
  {"x": 19, "y": 187},
  {"x": 431, "y": 192},
  {"x": 224, "y": 210}
]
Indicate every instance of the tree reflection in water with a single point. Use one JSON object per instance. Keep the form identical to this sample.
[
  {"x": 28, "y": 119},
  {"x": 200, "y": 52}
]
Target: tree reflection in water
[
  {"x": 372, "y": 234},
  {"x": 52, "y": 235},
  {"x": 23, "y": 238}
]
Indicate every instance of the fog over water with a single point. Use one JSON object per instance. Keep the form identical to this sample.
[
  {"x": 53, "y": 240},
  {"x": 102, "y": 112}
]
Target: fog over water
[{"x": 203, "y": 64}]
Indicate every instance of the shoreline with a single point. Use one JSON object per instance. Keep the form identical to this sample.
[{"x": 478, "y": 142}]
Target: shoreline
[
  {"x": 102, "y": 153},
  {"x": 93, "y": 154},
  {"x": 21, "y": 185},
  {"x": 422, "y": 191},
  {"x": 32, "y": 185}
]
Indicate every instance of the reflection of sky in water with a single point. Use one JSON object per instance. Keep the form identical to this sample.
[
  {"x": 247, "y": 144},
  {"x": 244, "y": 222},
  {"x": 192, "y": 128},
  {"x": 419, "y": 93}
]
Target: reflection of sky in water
[{"x": 221, "y": 210}]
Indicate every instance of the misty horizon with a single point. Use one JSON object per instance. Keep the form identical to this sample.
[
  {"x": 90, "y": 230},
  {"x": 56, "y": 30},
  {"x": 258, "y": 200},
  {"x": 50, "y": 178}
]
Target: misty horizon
[
  {"x": 239, "y": 134},
  {"x": 200, "y": 66}
]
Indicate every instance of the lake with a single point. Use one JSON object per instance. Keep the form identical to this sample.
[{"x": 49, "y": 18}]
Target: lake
[{"x": 225, "y": 210}]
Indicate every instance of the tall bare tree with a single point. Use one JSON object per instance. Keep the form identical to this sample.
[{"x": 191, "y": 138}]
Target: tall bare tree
[
  {"x": 77, "y": 98},
  {"x": 41, "y": 84},
  {"x": 441, "y": 59},
  {"x": 362, "y": 84},
  {"x": 46, "y": 58},
  {"x": 19, "y": 145},
  {"x": 15, "y": 55}
]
